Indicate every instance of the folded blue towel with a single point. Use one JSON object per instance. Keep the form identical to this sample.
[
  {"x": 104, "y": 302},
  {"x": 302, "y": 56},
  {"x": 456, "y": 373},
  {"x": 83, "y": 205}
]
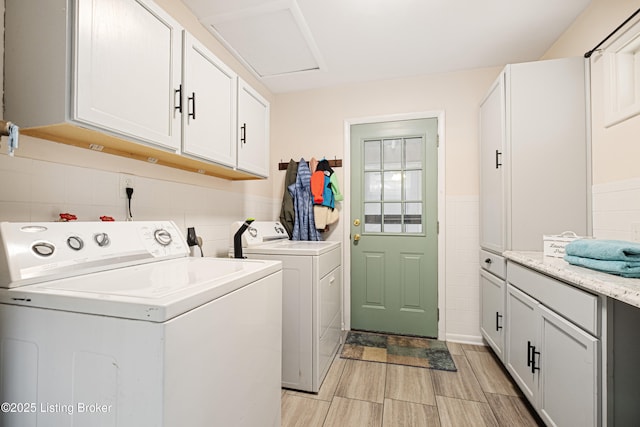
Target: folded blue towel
[
  {"x": 620, "y": 268},
  {"x": 608, "y": 250}
]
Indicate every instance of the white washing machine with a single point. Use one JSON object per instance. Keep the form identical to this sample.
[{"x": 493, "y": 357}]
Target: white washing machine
[
  {"x": 112, "y": 324},
  {"x": 311, "y": 300}
]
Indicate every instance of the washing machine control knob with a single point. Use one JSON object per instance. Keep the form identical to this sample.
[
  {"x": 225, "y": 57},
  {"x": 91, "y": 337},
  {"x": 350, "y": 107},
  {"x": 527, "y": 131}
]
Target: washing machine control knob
[
  {"x": 43, "y": 248},
  {"x": 102, "y": 239},
  {"x": 75, "y": 243},
  {"x": 163, "y": 237}
]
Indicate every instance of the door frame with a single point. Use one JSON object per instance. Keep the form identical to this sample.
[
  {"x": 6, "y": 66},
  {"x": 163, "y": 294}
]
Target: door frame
[{"x": 346, "y": 209}]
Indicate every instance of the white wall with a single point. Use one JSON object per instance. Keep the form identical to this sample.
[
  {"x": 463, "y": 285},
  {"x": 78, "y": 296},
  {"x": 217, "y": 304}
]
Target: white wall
[{"x": 37, "y": 190}]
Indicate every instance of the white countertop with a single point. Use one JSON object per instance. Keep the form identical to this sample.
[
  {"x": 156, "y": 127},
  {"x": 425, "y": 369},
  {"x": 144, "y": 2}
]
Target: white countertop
[{"x": 609, "y": 285}]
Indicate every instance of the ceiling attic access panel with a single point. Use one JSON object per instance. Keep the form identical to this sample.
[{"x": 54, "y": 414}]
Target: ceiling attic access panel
[{"x": 271, "y": 39}]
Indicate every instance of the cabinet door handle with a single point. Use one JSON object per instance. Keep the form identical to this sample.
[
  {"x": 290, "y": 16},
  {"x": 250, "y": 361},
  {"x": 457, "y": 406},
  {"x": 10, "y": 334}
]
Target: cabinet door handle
[
  {"x": 488, "y": 261},
  {"x": 179, "y": 93},
  {"x": 243, "y": 133},
  {"x": 192, "y": 100},
  {"x": 498, "y": 158},
  {"x": 534, "y": 368},
  {"x": 529, "y": 348},
  {"x": 498, "y": 317}
]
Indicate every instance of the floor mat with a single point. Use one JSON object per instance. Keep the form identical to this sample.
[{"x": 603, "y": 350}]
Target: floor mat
[{"x": 398, "y": 349}]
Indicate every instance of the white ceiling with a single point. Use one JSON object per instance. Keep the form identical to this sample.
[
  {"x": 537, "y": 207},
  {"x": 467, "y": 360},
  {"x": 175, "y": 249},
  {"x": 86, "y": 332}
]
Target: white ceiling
[{"x": 347, "y": 41}]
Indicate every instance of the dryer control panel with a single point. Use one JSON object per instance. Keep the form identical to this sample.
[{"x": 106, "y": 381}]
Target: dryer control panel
[
  {"x": 37, "y": 252},
  {"x": 259, "y": 232}
]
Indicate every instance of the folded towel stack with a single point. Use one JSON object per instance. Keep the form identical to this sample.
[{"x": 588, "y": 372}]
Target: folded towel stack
[{"x": 609, "y": 256}]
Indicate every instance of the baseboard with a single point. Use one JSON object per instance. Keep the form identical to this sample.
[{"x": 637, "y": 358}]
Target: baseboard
[{"x": 465, "y": 339}]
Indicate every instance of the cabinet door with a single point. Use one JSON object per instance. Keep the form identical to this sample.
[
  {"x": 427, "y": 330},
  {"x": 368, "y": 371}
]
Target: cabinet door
[
  {"x": 522, "y": 333},
  {"x": 568, "y": 373},
  {"x": 492, "y": 157},
  {"x": 253, "y": 131},
  {"x": 208, "y": 105},
  {"x": 127, "y": 69},
  {"x": 492, "y": 291}
]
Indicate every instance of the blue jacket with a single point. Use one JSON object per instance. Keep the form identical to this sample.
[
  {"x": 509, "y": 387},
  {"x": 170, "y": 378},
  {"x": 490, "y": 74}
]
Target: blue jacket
[{"x": 304, "y": 227}]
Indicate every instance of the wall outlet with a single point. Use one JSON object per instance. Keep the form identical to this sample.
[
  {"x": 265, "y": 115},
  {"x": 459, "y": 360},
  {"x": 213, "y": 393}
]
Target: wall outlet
[
  {"x": 635, "y": 231},
  {"x": 126, "y": 181}
]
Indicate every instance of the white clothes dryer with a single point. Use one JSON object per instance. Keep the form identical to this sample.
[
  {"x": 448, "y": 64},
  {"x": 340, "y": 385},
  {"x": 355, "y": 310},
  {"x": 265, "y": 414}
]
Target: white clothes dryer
[{"x": 311, "y": 300}]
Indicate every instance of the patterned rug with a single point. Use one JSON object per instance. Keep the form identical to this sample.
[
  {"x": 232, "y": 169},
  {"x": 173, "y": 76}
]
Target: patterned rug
[{"x": 398, "y": 349}]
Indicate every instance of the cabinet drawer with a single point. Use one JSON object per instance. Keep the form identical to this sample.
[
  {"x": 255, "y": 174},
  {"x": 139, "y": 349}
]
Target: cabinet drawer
[
  {"x": 580, "y": 307},
  {"x": 493, "y": 263}
]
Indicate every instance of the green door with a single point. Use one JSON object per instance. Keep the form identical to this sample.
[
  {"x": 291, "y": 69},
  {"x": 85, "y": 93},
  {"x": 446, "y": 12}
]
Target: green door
[{"x": 394, "y": 227}]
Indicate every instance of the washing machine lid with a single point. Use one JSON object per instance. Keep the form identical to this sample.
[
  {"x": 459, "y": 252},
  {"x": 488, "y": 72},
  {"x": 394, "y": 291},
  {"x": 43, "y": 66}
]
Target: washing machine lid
[
  {"x": 153, "y": 292},
  {"x": 293, "y": 247}
]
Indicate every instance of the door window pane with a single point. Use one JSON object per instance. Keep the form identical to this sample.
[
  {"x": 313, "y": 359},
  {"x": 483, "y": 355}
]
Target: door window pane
[
  {"x": 413, "y": 217},
  {"x": 393, "y": 185},
  {"x": 372, "y": 186},
  {"x": 393, "y": 217},
  {"x": 413, "y": 153},
  {"x": 372, "y": 154},
  {"x": 372, "y": 217},
  {"x": 413, "y": 185},
  {"x": 392, "y": 153}
]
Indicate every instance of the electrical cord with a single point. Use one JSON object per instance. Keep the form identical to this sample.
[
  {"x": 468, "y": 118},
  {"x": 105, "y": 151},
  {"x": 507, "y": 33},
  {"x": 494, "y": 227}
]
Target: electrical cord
[{"x": 129, "y": 194}]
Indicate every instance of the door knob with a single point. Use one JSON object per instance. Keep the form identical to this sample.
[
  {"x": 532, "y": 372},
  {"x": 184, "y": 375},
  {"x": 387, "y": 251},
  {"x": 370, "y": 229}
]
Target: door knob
[
  {"x": 356, "y": 237},
  {"x": 356, "y": 222}
]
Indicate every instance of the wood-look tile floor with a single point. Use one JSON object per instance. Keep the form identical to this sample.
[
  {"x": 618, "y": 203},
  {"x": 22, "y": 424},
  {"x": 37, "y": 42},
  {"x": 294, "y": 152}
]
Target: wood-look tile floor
[{"x": 368, "y": 394}]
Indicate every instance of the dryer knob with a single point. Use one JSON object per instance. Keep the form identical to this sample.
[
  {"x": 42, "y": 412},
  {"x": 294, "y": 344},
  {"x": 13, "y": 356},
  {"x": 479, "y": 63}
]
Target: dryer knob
[{"x": 163, "y": 237}]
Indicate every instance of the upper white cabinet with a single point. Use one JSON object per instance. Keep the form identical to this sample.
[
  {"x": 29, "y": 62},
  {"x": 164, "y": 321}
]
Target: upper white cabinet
[
  {"x": 492, "y": 142},
  {"x": 127, "y": 66},
  {"x": 534, "y": 171},
  {"x": 111, "y": 66},
  {"x": 123, "y": 77},
  {"x": 208, "y": 104},
  {"x": 253, "y": 130}
]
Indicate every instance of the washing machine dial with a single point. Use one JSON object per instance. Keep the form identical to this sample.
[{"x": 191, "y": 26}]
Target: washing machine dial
[
  {"x": 44, "y": 249},
  {"x": 102, "y": 239},
  {"x": 163, "y": 237},
  {"x": 75, "y": 243}
]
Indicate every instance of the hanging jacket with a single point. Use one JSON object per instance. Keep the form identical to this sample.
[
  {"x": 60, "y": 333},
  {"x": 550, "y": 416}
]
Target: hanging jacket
[
  {"x": 287, "y": 212},
  {"x": 317, "y": 186},
  {"x": 304, "y": 226},
  {"x": 334, "y": 187},
  {"x": 327, "y": 195}
]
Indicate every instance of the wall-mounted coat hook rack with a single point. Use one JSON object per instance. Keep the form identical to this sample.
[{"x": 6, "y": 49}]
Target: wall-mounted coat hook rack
[{"x": 335, "y": 163}]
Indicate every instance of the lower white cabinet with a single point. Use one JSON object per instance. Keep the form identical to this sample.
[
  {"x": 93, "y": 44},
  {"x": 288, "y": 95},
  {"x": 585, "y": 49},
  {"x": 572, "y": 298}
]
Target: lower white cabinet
[
  {"x": 554, "y": 362},
  {"x": 492, "y": 290}
]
